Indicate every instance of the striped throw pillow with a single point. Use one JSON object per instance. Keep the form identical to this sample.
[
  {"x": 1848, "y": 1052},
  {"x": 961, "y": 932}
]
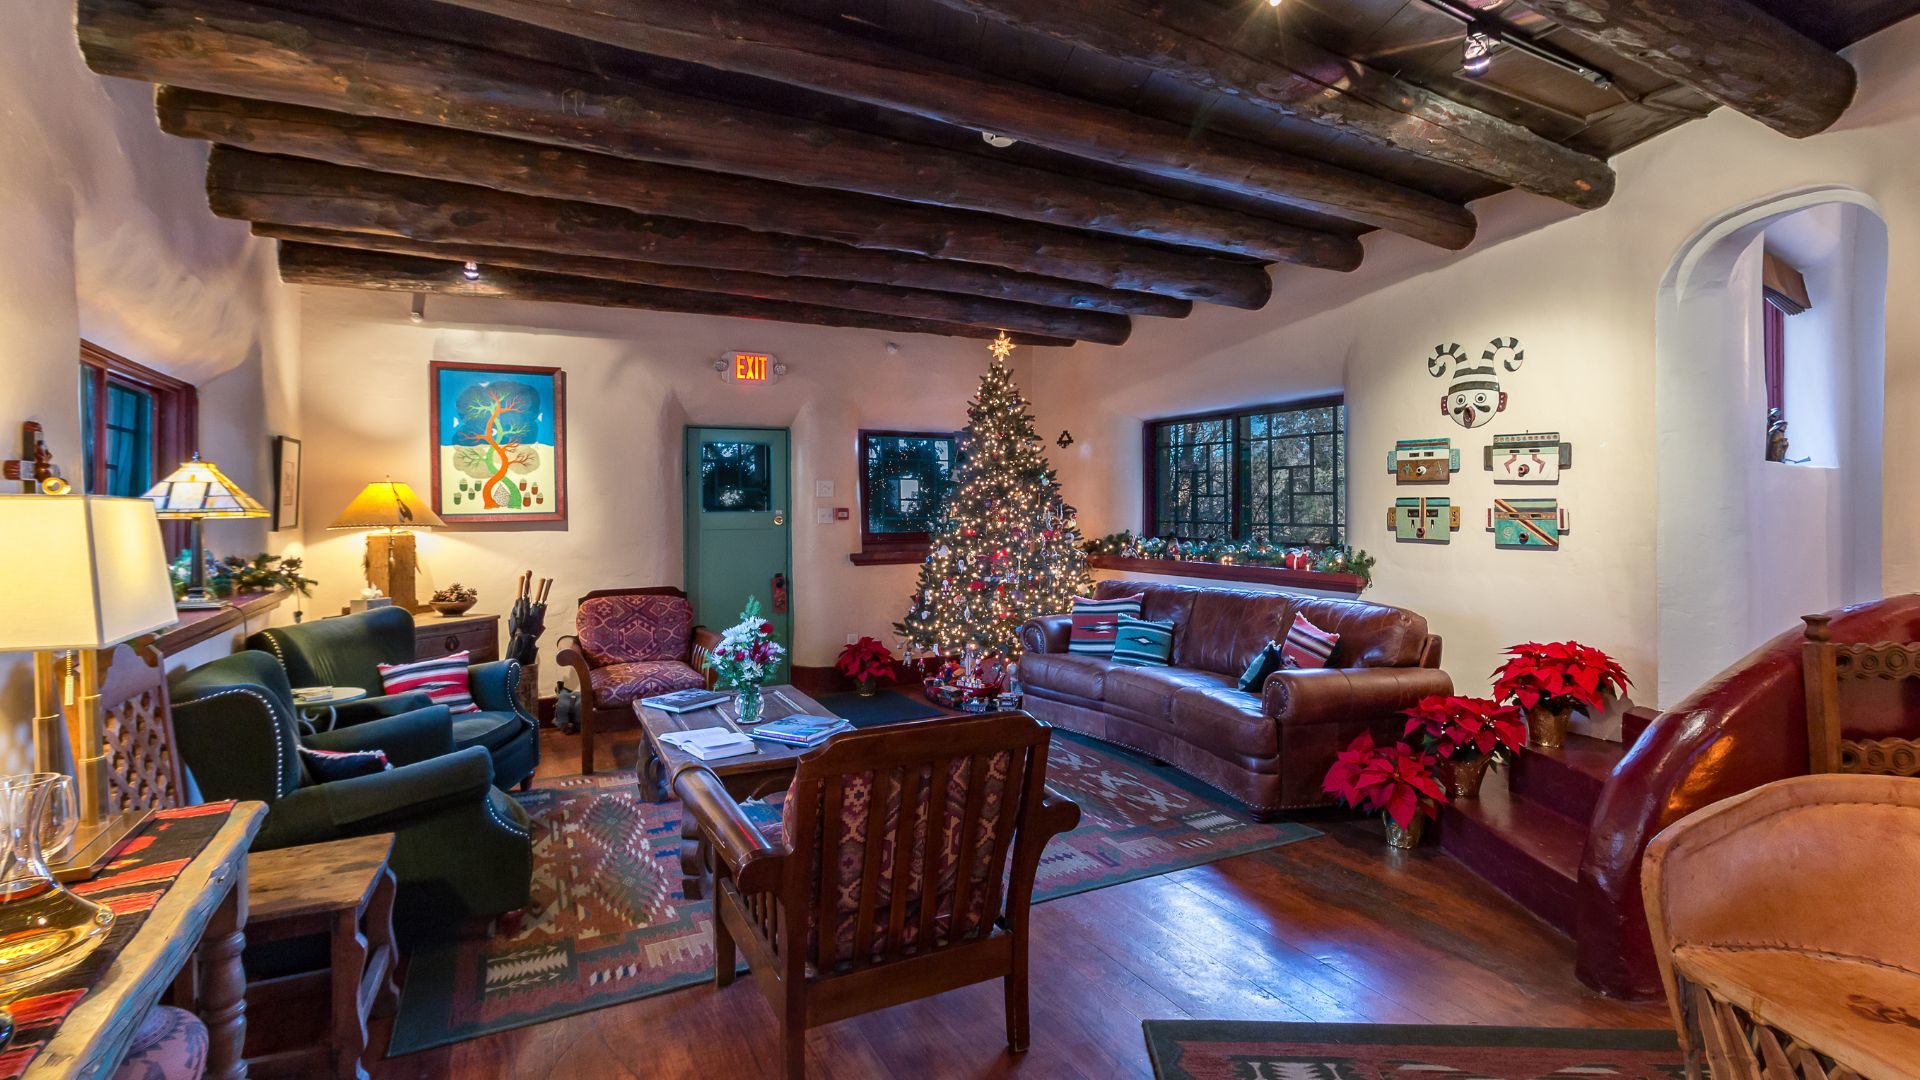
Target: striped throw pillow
[
  {"x": 1139, "y": 643},
  {"x": 1307, "y": 646},
  {"x": 1096, "y": 621},
  {"x": 443, "y": 679}
]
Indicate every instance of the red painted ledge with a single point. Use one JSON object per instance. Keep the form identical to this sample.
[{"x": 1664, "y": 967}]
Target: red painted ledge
[
  {"x": 889, "y": 555},
  {"x": 1350, "y": 584}
]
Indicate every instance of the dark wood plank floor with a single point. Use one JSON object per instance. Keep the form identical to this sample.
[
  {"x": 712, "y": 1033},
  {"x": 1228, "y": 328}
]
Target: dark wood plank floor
[{"x": 1338, "y": 928}]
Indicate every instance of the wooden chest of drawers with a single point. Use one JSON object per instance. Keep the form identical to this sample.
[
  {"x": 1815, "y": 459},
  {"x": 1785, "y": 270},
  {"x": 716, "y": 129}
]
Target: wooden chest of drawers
[{"x": 438, "y": 635}]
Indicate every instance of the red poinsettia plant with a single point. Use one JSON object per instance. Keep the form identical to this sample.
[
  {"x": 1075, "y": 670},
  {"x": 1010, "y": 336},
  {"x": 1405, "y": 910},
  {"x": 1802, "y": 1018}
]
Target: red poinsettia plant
[
  {"x": 866, "y": 661},
  {"x": 1396, "y": 780},
  {"x": 1559, "y": 674},
  {"x": 1458, "y": 728}
]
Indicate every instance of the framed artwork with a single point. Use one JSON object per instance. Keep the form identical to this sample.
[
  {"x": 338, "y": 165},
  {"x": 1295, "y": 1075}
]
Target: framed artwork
[
  {"x": 286, "y": 482},
  {"x": 499, "y": 443}
]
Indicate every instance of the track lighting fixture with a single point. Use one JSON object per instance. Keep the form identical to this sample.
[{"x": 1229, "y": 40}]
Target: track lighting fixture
[
  {"x": 1477, "y": 55},
  {"x": 472, "y": 271}
]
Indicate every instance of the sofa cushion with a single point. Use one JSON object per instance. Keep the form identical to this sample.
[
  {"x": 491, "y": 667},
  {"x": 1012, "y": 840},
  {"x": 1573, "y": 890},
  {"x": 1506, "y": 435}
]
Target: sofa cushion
[
  {"x": 492, "y": 730},
  {"x": 1225, "y": 720},
  {"x": 1142, "y": 643},
  {"x": 1229, "y": 627},
  {"x": 1095, "y": 622},
  {"x": 634, "y": 627},
  {"x": 1161, "y": 603},
  {"x": 1081, "y": 676},
  {"x": 1148, "y": 692},
  {"x": 1371, "y": 635}
]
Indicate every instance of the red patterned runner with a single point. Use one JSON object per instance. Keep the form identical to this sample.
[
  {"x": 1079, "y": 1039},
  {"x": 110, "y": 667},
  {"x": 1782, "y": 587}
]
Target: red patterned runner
[{"x": 131, "y": 886}]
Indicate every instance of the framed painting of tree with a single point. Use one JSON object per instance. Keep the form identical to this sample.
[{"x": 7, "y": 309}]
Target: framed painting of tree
[{"x": 499, "y": 443}]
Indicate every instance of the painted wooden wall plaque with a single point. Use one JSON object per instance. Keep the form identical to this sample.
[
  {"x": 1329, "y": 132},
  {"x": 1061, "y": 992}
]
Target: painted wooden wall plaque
[
  {"x": 1527, "y": 523},
  {"x": 1534, "y": 457},
  {"x": 1423, "y": 520},
  {"x": 1423, "y": 461}
]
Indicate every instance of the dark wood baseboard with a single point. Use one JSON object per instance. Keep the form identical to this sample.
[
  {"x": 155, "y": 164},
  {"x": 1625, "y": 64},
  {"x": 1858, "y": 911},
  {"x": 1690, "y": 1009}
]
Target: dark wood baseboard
[{"x": 830, "y": 680}]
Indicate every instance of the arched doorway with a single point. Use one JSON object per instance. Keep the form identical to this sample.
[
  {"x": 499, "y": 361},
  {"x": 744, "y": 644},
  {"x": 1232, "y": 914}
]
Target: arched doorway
[{"x": 1746, "y": 545}]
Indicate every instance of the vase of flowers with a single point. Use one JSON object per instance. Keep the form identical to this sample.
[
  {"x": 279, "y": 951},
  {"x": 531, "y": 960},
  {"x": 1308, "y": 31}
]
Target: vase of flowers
[
  {"x": 744, "y": 658},
  {"x": 1549, "y": 681},
  {"x": 1468, "y": 735},
  {"x": 866, "y": 662},
  {"x": 1398, "y": 782}
]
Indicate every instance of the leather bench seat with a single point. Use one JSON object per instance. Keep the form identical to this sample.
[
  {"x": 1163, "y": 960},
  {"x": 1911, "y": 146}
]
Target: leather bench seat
[{"x": 1147, "y": 694}]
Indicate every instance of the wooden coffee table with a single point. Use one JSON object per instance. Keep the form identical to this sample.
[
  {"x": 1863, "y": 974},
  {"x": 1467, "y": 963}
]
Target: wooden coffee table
[{"x": 748, "y": 776}]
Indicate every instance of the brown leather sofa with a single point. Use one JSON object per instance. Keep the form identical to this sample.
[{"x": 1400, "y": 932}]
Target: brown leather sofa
[{"x": 1269, "y": 750}]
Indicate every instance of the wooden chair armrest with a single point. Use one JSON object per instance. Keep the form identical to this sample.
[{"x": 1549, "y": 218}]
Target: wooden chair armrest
[
  {"x": 753, "y": 863},
  {"x": 575, "y": 659},
  {"x": 704, "y": 641},
  {"x": 1056, "y": 814}
]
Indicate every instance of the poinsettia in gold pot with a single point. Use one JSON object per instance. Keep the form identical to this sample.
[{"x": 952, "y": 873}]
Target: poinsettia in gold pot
[
  {"x": 1398, "y": 782},
  {"x": 1549, "y": 681},
  {"x": 866, "y": 662},
  {"x": 1469, "y": 735}
]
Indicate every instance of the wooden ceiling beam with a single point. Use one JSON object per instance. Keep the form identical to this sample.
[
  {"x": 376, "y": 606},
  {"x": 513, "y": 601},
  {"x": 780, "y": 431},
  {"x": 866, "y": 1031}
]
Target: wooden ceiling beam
[
  {"x": 1729, "y": 50},
  {"x": 231, "y": 47},
  {"x": 394, "y": 146},
  {"x": 292, "y": 191},
  {"x": 1096, "y": 327},
  {"x": 308, "y": 264},
  {"x": 758, "y": 42},
  {"x": 1242, "y": 53}
]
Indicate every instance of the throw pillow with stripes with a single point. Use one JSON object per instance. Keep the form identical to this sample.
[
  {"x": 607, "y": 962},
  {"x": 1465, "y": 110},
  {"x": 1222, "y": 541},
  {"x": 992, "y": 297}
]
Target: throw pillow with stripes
[
  {"x": 1308, "y": 646},
  {"x": 443, "y": 679},
  {"x": 1096, "y": 621},
  {"x": 1139, "y": 643}
]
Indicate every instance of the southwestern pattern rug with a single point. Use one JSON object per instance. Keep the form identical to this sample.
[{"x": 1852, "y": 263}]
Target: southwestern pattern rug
[
  {"x": 609, "y": 924},
  {"x": 1261, "y": 1050}
]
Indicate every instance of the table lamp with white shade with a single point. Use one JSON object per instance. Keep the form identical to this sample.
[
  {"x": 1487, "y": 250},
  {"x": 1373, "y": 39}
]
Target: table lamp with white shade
[
  {"x": 196, "y": 491},
  {"x": 83, "y": 573}
]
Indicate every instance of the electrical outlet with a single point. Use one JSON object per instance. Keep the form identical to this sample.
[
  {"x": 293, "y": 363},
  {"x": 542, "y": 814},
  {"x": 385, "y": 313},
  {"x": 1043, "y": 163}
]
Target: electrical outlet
[
  {"x": 823, "y": 489},
  {"x": 851, "y": 638},
  {"x": 823, "y": 515}
]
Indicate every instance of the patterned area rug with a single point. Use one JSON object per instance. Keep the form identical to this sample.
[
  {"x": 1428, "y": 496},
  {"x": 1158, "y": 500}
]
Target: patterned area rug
[
  {"x": 1259, "y": 1050},
  {"x": 609, "y": 924}
]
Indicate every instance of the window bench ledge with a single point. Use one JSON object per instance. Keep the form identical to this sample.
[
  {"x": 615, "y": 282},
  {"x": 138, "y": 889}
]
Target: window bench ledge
[
  {"x": 197, "y": 626},
  {"x": 889, "y": 555},
  {"x": 1349, "y": 584}
]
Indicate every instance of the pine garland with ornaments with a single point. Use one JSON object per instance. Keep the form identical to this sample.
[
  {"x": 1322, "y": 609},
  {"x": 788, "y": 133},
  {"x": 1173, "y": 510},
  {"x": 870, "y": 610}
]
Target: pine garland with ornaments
[{"x": 1007, "y": 548}]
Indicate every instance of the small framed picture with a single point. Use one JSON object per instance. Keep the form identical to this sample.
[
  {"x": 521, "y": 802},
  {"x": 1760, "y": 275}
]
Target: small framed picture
[{"x": 286, "y": 482}]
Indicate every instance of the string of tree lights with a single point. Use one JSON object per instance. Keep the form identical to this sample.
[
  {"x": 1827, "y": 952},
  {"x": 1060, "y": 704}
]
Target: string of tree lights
[{"x": 1008, "y": 547}]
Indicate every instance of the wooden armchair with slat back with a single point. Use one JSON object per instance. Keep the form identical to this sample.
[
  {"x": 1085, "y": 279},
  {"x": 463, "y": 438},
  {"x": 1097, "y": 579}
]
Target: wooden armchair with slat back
[
  {"x": 1827, "y": 664},
  {"x": 884, "y": 881}
]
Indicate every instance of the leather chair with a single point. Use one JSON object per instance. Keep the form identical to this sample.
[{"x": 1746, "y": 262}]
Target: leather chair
[
  {"x": 630, "y": 644},
  {"x": 349, "y": 650},
  {"x": 1776, "y": 918},
  {"x": 792, "y": 897},
  {"x": 459, "y": 840}
]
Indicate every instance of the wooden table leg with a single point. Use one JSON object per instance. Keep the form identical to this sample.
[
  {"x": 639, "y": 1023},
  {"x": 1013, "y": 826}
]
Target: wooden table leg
[
  {"x": 694, "y": 874},
  {"x": 223, "y": 984},
  {"x": 349, "y": 1026},
  {"x": 653, "y": 775}
]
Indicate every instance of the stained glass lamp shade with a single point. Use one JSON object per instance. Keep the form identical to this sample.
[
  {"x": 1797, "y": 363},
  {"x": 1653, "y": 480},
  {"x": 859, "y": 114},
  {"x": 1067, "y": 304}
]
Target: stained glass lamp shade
[{"x": 196, "y": 491}]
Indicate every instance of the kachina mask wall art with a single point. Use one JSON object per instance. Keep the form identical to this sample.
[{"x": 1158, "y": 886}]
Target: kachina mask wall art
[
  {"x": 1474, "y": 396},
  {"x": 1527, "y": 523},
  {"x": 1432, "y": 521},
  {"x": 1423, "y": 461},
  {"x": 1535, "y": 457}
]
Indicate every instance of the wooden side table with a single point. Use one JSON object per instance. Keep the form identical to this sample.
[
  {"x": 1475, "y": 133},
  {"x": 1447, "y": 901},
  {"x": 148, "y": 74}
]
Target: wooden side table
[
  {"x": 438, "y": 635},
  {"x": 344, "y": 890}
]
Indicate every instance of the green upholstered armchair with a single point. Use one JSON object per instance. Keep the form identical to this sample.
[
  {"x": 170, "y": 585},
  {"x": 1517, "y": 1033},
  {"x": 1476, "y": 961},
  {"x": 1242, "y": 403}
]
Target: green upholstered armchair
[
  {"x": 460, "y": 840},
  {"x": 349, "y": 650}
]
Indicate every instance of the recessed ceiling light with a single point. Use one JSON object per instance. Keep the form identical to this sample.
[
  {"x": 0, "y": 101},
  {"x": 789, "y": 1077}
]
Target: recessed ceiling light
[
  {"x": 1477, "y": 54},
  {"x": 998, "y": 142},
  {"x": 471, "y": 271}
]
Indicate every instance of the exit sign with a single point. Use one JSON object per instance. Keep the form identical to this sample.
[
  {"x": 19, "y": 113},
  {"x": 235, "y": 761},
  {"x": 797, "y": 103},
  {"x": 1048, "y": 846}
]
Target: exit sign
[{"x": 751, "y": 368}]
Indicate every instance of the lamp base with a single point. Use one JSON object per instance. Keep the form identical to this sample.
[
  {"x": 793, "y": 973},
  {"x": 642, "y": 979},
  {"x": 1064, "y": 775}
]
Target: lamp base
[
  {"x": 392, "y": 567},
  {"x": 96, "y": 845},
  {"x": 199, "y": 600}
]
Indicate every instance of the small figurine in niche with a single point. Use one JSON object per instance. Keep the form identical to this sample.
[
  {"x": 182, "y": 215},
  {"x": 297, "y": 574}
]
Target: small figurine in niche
[{"x": 1776, "y": 436}]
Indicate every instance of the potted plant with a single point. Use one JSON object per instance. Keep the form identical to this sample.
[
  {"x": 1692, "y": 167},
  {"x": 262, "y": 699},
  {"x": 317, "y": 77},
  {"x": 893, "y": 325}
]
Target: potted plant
[
  {"x": 1549, "y": 681},
  {"x": 744, "y": 658},
  {"x": 455, "y": 599},
  {"x": 866, "y": 662},
  {"x": 239, "y": 574},
  {"x": 1398, "y": 782},
  {"x": 1468, "y": 735}
]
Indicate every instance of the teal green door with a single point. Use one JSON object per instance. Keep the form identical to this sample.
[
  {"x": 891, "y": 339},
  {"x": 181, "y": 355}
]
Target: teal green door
[{"x": 739, "y": 510}]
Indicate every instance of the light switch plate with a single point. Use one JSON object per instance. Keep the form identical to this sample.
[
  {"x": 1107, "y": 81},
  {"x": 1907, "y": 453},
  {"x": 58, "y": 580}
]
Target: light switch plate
[
  {"x": 823, "y": 515},
  {"x": 823, "y": 489}
]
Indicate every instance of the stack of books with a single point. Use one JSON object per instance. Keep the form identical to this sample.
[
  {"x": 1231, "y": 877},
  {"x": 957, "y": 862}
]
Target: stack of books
[
  {"x": 710, "y": 744},
  {"x": 801, "y": 730}
]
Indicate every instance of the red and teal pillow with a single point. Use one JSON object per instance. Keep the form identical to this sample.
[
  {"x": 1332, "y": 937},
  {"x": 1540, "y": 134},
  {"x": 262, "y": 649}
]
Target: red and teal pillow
[
  {"x": 1265, "y": 662},
  {"x": 443, "y": 679},
  {"x": 1097, "y": 622},
  {"x": 1307, "y": 646}
]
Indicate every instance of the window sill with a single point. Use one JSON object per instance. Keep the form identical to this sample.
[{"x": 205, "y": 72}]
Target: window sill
[
  {"x": 1349, "y": 584},
  {"x": 889, "y": 555}
]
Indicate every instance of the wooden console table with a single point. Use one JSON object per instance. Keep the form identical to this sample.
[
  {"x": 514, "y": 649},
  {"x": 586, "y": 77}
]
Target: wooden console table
[{"x": 204, "y": 912}]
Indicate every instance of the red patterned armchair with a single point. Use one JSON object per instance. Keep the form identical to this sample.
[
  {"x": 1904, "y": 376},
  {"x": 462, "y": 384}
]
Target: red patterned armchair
[
  {"x": 902, "y": 867},
  {"x": 631, "y": 644}
]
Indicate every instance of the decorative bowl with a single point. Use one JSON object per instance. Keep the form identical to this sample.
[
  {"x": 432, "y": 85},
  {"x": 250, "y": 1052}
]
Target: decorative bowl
[{"x": 453, "y": 607}]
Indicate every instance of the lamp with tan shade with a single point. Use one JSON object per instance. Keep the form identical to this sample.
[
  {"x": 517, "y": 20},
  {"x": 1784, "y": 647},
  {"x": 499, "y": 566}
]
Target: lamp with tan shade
[
  {"x": 196, "y": 491},
  {"x": 392, "y": 511},
  {"x": 83, "y": 573}
]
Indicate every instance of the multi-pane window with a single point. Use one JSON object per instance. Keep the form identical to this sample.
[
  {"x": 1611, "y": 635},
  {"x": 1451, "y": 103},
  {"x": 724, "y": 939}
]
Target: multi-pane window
[
  {"x": 1276, "y": 474},
  {"x": 126, "y": 459},
  {"x": 735, "y": 478},
  {"x": 905, "y": 477}
]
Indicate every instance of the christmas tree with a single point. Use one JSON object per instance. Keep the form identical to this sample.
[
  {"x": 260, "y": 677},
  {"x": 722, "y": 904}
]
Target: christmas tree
[{"x": 1007, "y": 548}]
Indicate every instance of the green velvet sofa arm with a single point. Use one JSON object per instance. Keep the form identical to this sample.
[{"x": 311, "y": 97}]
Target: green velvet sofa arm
[
  {"x": 406, "y": 739},
  {"x": 386, "y": 800},
  {"x": 375, "y": 708},
  {"x": 493, "y": 685}
]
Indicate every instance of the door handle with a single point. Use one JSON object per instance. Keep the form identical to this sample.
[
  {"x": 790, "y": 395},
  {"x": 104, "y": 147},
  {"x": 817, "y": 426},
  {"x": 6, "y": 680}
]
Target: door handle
[
  {"x": 779, "y": 594},
  {"x": 779, "y": 517}
]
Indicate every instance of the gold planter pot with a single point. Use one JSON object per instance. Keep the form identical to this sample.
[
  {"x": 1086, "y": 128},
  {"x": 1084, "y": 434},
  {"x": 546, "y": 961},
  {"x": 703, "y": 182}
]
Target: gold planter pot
[
  {"x": 1465, "y": 777},
  {"x": 1406, "y": 837},
  {"x": 1547, "y": 725}
]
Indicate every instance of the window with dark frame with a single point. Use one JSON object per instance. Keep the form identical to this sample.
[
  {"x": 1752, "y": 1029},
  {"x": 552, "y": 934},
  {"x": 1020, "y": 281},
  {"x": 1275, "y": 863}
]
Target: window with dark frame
[
  {"x": 905, "y": 477},
  {"x": 136, "y": 426},
  {"x": 1275, "y": 473}
]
